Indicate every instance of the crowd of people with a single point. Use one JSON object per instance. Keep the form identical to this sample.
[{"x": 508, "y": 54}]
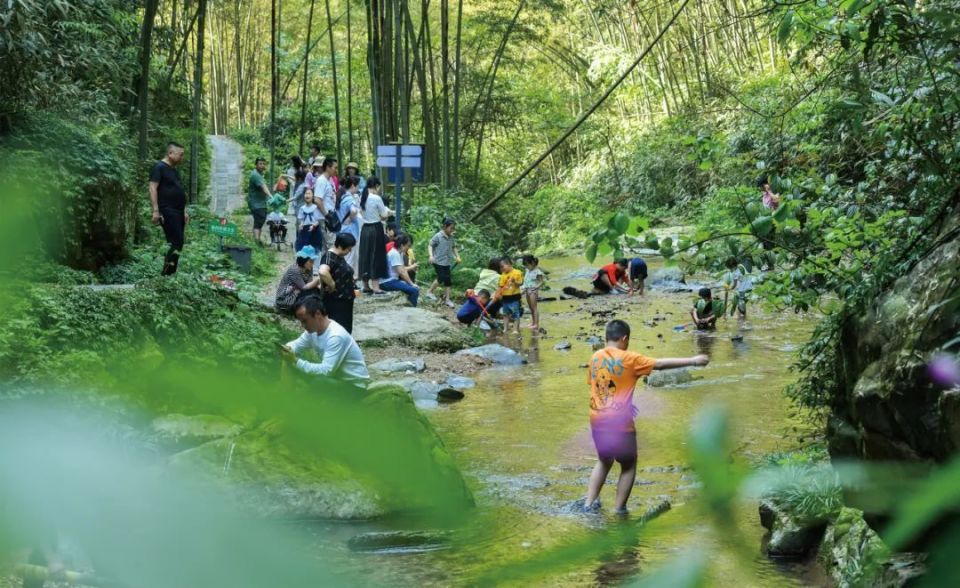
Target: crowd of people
[{"x": 345, "y": 244}]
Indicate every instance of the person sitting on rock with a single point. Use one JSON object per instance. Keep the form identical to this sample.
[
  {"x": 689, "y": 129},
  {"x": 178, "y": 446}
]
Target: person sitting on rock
[
  {"x": 702, "y": 312},
  {"x": 399, "y": 280},
  {"x": 340, "y": 356}
]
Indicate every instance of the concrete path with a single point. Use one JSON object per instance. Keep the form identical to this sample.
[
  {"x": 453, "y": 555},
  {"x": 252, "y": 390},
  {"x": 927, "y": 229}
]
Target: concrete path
[{"x": 226, "y": 181}]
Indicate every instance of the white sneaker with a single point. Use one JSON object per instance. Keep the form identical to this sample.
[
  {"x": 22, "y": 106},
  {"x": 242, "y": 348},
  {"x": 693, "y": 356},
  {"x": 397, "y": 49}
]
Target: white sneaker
[
  {"x": 449, "y": 303},
  {"x": 430, "y": 296}
]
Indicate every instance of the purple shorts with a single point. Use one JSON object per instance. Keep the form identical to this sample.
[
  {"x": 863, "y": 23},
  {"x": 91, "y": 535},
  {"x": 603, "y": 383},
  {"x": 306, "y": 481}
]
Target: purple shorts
[{"x": 615, "y": 443}]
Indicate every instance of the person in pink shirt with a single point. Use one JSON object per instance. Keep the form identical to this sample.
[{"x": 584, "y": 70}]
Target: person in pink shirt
[{"x": 769, "y": 199}]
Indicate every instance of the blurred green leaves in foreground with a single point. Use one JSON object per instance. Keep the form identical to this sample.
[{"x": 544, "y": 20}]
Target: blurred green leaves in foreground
[{"x": 73, "y": 466}]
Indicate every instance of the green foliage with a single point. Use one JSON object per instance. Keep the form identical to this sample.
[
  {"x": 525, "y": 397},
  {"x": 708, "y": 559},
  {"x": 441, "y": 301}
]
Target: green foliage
[
  {"x": 202, "y": 258},
  {"x": 183, "y": 315},
  {"x": 65, "y": 52},
  {"x": 78, "y": 180}
]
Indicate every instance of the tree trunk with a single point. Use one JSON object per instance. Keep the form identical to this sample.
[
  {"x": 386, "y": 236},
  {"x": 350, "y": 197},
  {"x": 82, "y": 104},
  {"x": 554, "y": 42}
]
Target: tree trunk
[
  {"x": 274, "y": 87},
  {"x": 457, "y": 85},
  {"x": 336, "y": 93},
  {"x": 143, "y": 80},
  {"x": 306, "y": 84},
  {"x": 197, "y": 91},
  {"x": 445, "y": 89},
  {"x": 349, "y": 84}
]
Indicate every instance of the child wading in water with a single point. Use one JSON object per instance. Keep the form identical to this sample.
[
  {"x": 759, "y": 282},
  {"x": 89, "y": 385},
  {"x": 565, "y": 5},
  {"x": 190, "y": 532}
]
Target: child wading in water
[
  {"x": 510, "y": 282},
  {"x": 532, "y": 282},
  {"x": 612, "y": 377},
  {"x": 702, "y": 313}
]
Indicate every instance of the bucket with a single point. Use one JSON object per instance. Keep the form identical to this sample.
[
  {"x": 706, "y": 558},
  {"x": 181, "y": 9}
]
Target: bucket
[{"x": 240, "y": 256}]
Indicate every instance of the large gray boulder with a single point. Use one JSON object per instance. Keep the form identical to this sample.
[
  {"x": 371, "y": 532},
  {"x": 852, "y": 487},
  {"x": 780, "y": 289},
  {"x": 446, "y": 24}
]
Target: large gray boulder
[
  {"x": 791, "y": 536},
  {"x": 413, "y": 327},
  {"x": 854, "y": 555},
  {"x": 885, "y": 405},
  {"x": 496, "y": 353}
]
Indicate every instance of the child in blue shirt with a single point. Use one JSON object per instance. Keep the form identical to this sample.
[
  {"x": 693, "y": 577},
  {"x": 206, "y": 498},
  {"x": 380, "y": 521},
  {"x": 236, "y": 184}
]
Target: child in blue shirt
[{"x": 473, "y": 308}]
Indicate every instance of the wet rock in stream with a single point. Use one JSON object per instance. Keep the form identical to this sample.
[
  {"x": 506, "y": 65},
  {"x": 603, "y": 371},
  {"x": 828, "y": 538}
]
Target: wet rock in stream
[
  {"x": 400, "y": 540},
  {"x": 496, "y": 353},
  {"x": 394, "y": 366},
  {"x": 461, "y": 382},
  {"x": 662, "y": 378}
]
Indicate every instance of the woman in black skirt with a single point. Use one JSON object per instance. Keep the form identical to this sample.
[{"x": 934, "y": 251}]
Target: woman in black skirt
[{"x": 373, "y": 239}]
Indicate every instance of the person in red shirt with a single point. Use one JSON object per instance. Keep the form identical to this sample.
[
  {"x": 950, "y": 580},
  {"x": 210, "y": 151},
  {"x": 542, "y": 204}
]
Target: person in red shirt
[
  {"x": 612, "y": 277},
  {"x": 612, "y": 377}
]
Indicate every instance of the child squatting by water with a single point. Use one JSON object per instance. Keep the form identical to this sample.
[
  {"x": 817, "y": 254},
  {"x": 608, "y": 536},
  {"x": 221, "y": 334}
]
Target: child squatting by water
[{"x": 613, "y": 375}]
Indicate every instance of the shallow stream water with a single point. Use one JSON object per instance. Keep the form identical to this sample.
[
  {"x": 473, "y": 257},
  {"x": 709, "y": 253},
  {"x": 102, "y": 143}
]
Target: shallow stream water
[{"x": 522, "y": 439}]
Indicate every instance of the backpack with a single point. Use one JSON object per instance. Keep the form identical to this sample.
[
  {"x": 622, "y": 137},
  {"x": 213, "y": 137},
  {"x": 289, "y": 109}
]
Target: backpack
[{"x": 332, "y": 218}]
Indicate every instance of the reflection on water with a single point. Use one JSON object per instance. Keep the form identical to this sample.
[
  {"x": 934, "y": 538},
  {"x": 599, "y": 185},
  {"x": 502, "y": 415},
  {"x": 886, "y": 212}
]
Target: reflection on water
[{"x": 522, "y": 438}]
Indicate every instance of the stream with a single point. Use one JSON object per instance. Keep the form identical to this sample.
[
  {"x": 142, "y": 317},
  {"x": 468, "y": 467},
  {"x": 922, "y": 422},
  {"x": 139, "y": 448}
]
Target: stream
[{"x": 522, "y": 439}]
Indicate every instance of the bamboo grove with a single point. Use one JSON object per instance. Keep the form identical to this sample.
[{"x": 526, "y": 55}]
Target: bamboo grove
[{"x": 460, "y": 77}]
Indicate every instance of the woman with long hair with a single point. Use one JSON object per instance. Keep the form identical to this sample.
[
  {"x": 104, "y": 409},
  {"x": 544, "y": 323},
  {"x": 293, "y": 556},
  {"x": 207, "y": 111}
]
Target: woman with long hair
[{"x": 373, "y": 239}]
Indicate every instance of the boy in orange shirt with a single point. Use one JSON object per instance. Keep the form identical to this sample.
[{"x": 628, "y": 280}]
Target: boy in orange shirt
[{"x": 613, "y": 375}]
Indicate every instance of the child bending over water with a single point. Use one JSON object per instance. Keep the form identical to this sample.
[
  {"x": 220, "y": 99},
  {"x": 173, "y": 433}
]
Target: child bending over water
[
  {"x": 702, "y": 313},
  {"x": 613, "y": 375}
]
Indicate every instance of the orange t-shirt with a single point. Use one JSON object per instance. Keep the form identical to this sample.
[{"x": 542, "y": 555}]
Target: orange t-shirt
[
  {"x": 612, "y": 376},
  {"x": 614, "y": 272}
]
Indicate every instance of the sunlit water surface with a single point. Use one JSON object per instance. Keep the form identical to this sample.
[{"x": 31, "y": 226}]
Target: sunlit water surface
[{"x": 522, "y": 439}]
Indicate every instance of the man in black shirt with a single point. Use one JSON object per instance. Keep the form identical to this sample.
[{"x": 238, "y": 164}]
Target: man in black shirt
[{"x": 169, "y": 203}]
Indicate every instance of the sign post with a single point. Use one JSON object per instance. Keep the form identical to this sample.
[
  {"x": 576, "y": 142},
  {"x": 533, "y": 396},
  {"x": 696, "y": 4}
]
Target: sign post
[
  {"x": 397, "y": 158},
  {"x": 397, "y": 189},
  {"x": 222, "y": 228}
]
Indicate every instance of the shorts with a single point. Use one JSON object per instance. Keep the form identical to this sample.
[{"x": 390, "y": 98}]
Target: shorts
[
  {"x": 443, "y": 275},
  {"x": 259, "y": 217},
  {"x": 511, "y": 307},
  {"x": 599, "y": 284},
  {"x": 615, "y": 444}
]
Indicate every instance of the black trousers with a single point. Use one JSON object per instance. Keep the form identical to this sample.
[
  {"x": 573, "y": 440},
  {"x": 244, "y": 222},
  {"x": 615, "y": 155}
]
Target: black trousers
[
  {"x": 341, "y": 311},
  {"x": 173, "y": 228}
]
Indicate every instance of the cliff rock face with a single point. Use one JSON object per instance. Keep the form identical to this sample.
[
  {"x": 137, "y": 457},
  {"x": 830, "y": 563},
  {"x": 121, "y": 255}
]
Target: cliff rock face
[{"x": 889, "y": 409}]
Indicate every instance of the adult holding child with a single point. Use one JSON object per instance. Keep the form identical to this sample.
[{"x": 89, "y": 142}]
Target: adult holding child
[
  {"x": 169, "y": 202},
  {"x": 373, "y": 239}
]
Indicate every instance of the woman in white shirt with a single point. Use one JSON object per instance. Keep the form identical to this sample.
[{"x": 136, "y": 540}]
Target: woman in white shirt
[{"x": 373, "y": 239}]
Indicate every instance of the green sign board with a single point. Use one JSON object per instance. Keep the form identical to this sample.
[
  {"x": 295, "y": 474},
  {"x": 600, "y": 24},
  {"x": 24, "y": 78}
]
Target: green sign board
[{"x": 222, "y": 228}]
